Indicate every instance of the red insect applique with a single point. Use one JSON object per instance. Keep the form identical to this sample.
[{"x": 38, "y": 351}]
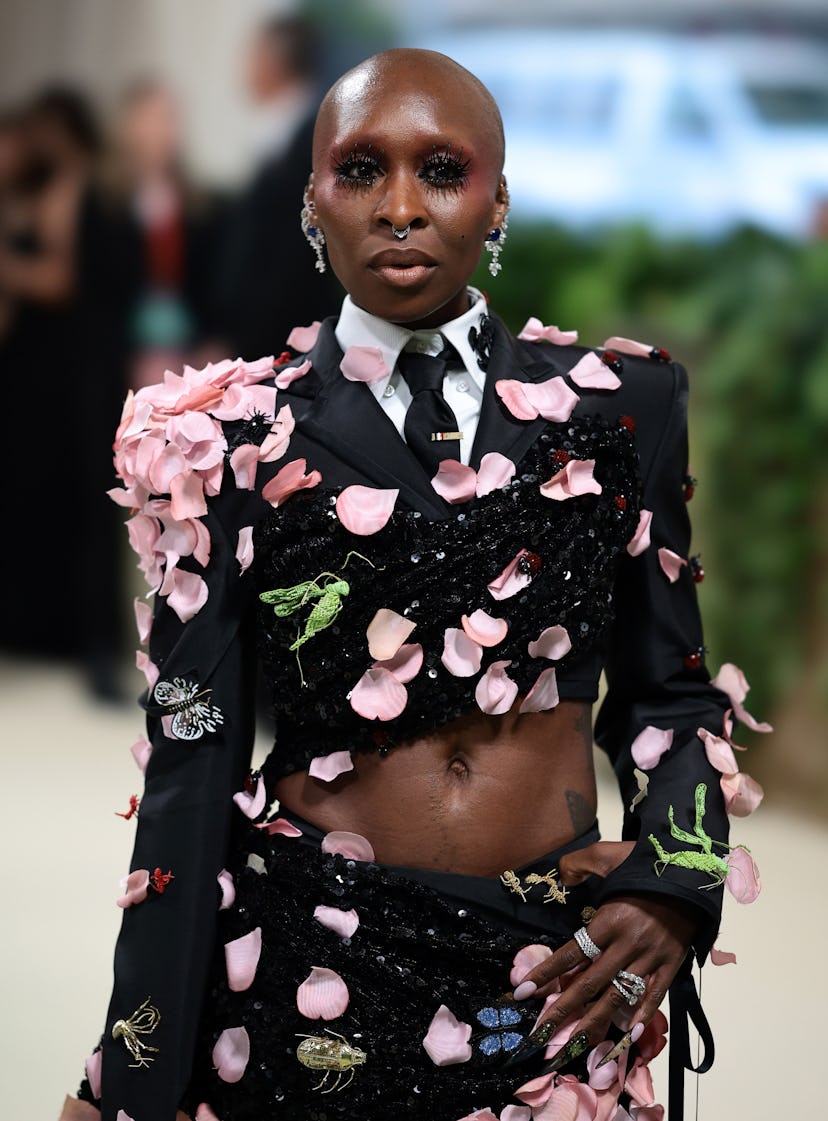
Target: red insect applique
[{"x": 134, "y": 803}]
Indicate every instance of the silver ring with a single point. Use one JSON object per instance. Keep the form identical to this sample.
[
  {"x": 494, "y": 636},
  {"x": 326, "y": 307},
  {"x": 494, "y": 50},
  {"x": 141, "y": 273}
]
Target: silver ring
[
  {"x": 630, "y": 985},
  {"x": 401, "y": 235},
  {"x": 586, "y": 944}
]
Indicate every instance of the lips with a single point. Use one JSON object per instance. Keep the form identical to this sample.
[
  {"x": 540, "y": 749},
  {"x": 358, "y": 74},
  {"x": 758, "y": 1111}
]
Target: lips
[{"x": 402, "y": 268}]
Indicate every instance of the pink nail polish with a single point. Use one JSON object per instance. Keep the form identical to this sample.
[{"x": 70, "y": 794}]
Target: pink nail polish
[
  {"x": 525, "y": 989},
  {"x": 637, "y": 1032}
]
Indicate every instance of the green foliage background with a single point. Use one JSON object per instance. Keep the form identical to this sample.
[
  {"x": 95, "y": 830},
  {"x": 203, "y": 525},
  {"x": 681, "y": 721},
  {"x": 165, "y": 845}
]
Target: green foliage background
[{"x": 749, "y": 317}]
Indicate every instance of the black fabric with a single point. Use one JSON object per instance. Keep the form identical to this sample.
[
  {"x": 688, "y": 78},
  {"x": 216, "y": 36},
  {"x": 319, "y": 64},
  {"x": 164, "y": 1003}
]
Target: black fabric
[{"x": 429, "y": 414}]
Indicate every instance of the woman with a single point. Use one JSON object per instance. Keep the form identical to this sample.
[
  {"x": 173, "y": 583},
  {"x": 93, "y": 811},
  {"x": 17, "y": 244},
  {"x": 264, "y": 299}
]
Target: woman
[{"x": 433, "y": 614}]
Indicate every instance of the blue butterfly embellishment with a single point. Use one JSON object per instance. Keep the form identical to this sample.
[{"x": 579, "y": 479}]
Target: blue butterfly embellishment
[{"x": 499, "y": 1021}]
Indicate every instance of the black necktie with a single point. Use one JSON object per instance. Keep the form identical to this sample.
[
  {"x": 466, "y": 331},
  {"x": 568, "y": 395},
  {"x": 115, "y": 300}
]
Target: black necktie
[{"x": 430, "y": 422}]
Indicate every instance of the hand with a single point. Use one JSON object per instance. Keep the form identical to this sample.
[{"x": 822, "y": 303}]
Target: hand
[{"x": 648, "y": 935}]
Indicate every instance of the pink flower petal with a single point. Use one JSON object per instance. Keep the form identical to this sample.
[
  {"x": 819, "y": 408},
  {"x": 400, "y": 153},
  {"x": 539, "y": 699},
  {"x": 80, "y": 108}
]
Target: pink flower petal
[
  {"x": 671, "y": 564},
  {"x": 328, "y": 767},
  {"x": 742, "y": 880},
  {"x": 447, "y": 1040},
  {"x": 277, "y": 441},
  {"x": 280, "y": 826},
  {"x": 536, "y": 1091},
  {"x": 483, "y": 628},
  {"x": 627, "y": 346},
  {"x": 245, "y": 462},
  {"x": 719, "y": 752},
  {"x": 228, "y": 890},
  {"x": 204, "y": 1113},
  {"x": 323, "y": 995},
  {"x": 143, "y": 619},
  {"x": 365, "y": 510},
  {"x": 653, "y": 1039},
  {"x": 562, "y": 1105},
  {"x": 518, "y": 1112},
  {"x": 604, "y": 1078},
  {"x": 251, "y": 805},
  {"x": 231, "y": 1054},
  {"x": 552, "y": 643},
  {"x": 244, "y": 548},
  {"x": 352, "y": 845},
  {"x": 591, "y": 373},
  {"x": 495, "y": 472},
  {"x": 496, "y": 692},
  {"x": 480, "y": 1115},
  {"x": 304, "y": 338},
  {"x": 363, "y": 363},
  {"x": 511, "y": 580},
  {"x": 512, "y": 395},
  {"x": 406, "y": 663},
  {"x": 552, "y": 399},
  {"x": 639, "y": 1084},
  {"x": 187, "y": 595},
  {"x": 574, "y": 479},
  {"x": 525, "y": 961},
  {"x": 241, "y": 958},
  {"x": 721, "y": 957},
  {"x": 455, "y": 481},
  {"x": 587, "y": 1097},
  {"x": 344, "y": 923},
  {"x": 288, "y": 481},
  {"x": 93, "y": 1072},
  {"x": 378, "y": 695},
  {"x": 534, "y": 331},
  {"x": 136, "y": 888},
  {"x": 732, "y": 681},
  {"x": 291, "y": 374},
  {"x": 544, "y": 693},
  {"x": 640, "y": 540},
  {"x": 386, "y": 633},
  {"x": 649, "y": 745},
  {"x": 148, "y": 669},
  {"x": 141, "y": 751},
  {"x": 461, "y": 655},
  {"x": 123, "y": 1116},
  {"x": 187, "y": 496},
  {"x": 742, "y": 794}
]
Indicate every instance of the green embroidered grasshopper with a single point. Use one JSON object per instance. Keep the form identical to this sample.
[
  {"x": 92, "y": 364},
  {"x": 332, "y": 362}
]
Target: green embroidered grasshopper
[{"x": 704, "y": 861}]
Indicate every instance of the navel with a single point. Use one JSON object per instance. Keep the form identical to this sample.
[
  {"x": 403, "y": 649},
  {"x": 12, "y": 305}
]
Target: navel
[{"x": 458, "y": 766}]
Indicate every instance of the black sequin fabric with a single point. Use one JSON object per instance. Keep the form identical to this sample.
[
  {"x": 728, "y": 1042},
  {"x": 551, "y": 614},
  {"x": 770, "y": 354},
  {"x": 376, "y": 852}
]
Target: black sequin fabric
[{"x": 435, "y": 571}]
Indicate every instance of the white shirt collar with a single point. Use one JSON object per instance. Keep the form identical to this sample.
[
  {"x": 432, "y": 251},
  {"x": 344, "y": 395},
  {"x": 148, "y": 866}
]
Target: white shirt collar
[{"x": 357, "y": 327}]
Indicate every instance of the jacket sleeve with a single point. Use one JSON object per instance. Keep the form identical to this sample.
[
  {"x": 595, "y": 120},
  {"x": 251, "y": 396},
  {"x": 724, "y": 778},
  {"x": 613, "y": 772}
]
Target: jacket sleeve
[{"x": 652, "y": 685}]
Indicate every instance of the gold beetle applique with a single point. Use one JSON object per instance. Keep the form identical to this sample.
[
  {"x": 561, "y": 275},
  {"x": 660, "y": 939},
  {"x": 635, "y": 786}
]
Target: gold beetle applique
[{"x": 333, "y": 1054}]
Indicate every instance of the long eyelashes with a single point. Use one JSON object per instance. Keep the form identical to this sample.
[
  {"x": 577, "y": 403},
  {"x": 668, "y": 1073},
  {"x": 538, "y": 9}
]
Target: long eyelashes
[
  {"x": 445, "y": 168},
  {"x": 442, "y": 168},
  {"x": 360, "y": 167}
]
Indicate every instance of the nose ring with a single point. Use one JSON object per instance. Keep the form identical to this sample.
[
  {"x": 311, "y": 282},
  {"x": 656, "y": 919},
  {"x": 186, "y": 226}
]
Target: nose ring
[{"x": 401, "y": 235}]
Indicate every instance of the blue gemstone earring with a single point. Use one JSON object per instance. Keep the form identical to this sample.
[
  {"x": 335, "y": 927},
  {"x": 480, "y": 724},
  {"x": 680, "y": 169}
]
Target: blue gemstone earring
[
  {"x": 494, "y": 245},
  {"x": 316, "y": 239}
]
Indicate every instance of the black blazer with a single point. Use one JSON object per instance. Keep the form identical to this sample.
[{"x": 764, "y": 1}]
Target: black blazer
[{"x": 187, "y": 817}]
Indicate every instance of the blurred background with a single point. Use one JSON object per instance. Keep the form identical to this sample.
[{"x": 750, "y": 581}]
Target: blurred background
[{"x": 668, "y": 166}]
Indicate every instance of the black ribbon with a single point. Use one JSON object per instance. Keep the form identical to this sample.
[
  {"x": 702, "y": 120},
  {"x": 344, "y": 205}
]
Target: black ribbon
[{"x": 685, "y": 1007}]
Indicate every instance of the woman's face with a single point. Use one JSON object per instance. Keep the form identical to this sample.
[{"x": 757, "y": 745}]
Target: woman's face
[{"x": 406, "y": 151}]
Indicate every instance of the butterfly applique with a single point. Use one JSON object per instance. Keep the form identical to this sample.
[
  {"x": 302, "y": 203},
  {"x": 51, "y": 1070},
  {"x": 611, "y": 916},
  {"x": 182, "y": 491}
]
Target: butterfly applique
[
  {"x": 499, "y": 1021},
  {"x": 188, "y": 705}
]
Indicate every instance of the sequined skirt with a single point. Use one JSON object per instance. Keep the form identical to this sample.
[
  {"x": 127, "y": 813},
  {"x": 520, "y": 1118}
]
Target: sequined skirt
[{"x": 424, "y": 940}]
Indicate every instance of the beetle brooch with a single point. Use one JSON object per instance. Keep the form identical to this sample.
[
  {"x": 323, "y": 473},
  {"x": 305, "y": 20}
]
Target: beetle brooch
[{"x": 333, "y": 1055}]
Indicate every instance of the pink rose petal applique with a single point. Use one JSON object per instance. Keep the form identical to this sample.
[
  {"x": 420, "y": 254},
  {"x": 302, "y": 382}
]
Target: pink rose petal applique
[
  {"x": 732, "y": 681},
  {"x": 649, "y": 745},
  {"x": 148, "y": 669},
  {"x": 447, "y": 1040},
  {"x": 304, "y": 338},
  {"x": 627, "y": 346},
  {"x": 280, "y": 826},
  {"x": 513, "y": 397},
  {"x": 386, "y": 633},
  {"x": 552, "y": 643},
  {"x": 323, "y": 995},
  {"x": 561, "y": 1105},
  {"x": 742, "y": 880},
  {"x": 186, "y": 593},
  {"x": 496, "y": 470},
  {"x": 640, "y": 540},
  {"x": 136, "y": 889},
  {"x": 653, "y": 1039},
  {"x": 141, "y": 751},
  {"x": 227, "y": 888},
  {"x": 544, "y": 693},
  {"x": 496, "y": 692},
  {"x": 454, "y": 481},
  {"x": 511, "y": 580},
  {"x": 122, "y": 1115},
  {"x": 143, "y": 619},
  {"x": 461, "y": 655},
  {"x": 245, "y": 462},
  {"x": 288, "y": 480},
  {"x": 291, "y": 374},
  {"x": 363, "y": 363},
  {"x": 406, "y": 663},
  {"x": 187, "y": 496},
  {"x": 534, "y": 331},
  {"x": 525, "y": 961},
  {"x": 231, "y": 1054},
  {"x": 351, "y": 845},
  {"x": 553, "y": 399},
  {"x": 480, "y": 1115},
  {"x": 251, "y": 805},
  {"x": 742, "y": 794},
  {"x": 204, "y": 1113},
  {"x": 591, "y": 373},
  {"x": 603, "y": 1078},
  {"x": 277, "y": 441},
  {"x": 671, "y": 564},
  {"x": 483, "y": 628},
  {"x": 328, "y": 767},
  {"x": 343, "y": 923},
  {"x": 93, "y": 1072},
  {"x": 241, "y": 958},
  {"x": 518, "y": 1112},
  {"x": 574, "y": 479},
  {"x": 719, "y": 752},
  {"x": 378, "y": 695},
  {"x": 365, "y": 510},
  {"x": 244, "y": 548},
  {"x": 721, "y": 957},
  {"x": 536, "y": 1092}
]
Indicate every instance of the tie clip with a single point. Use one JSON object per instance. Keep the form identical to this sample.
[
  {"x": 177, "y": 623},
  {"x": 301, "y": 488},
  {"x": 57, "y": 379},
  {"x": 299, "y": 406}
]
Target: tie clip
[{"x": 446, "y": 436}]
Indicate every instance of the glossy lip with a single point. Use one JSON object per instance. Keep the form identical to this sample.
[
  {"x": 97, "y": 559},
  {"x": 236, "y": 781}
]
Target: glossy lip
[{"x": 402, "y": 268}]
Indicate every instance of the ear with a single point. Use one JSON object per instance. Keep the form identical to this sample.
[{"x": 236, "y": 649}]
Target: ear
[
  {"x": 501, "y": 206},
  {"x": 308, "y": 196}
]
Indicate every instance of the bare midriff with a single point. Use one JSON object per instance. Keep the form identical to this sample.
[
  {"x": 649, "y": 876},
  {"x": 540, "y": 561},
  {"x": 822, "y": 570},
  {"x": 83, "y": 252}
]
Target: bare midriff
[{"x": 476, "y": 796}]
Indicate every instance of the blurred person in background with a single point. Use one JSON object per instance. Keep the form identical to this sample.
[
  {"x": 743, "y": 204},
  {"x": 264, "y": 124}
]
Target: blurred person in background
[{"x": 266, "y": 282}]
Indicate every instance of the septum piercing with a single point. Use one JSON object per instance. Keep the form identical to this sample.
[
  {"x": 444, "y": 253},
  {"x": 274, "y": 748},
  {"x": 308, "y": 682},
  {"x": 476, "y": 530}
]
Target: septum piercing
[{"x": 401, "y": 235}]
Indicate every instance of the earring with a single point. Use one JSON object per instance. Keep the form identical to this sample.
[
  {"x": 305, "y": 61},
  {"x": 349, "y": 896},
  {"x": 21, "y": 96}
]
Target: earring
[
  {"x": 494, "y": 245},
  {"x": 316, "y": 239}
]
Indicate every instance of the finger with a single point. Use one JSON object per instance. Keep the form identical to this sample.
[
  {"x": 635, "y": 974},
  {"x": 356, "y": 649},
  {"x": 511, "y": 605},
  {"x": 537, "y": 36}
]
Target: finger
[
  {"x": 658, "y": 984},
  {"x": 539, "y": 981},
  {"x": 598, "y": 859}
]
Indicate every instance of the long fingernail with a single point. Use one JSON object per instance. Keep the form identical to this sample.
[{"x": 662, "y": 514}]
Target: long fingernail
[
  {"x": 622, "y": 1045},
  {"x": 575, "y": 1047},
  {"x": 533, "y": 1042},
  {"x": 525, "y": 989}
]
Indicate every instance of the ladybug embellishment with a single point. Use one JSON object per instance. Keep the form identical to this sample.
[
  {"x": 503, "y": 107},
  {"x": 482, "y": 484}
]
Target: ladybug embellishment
[
  {"x": 694, "y": 659},
  {"x": 529, "y": 564},
  {"x": 614, "y": 360},
  {"x": 696, "y": 569}
]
